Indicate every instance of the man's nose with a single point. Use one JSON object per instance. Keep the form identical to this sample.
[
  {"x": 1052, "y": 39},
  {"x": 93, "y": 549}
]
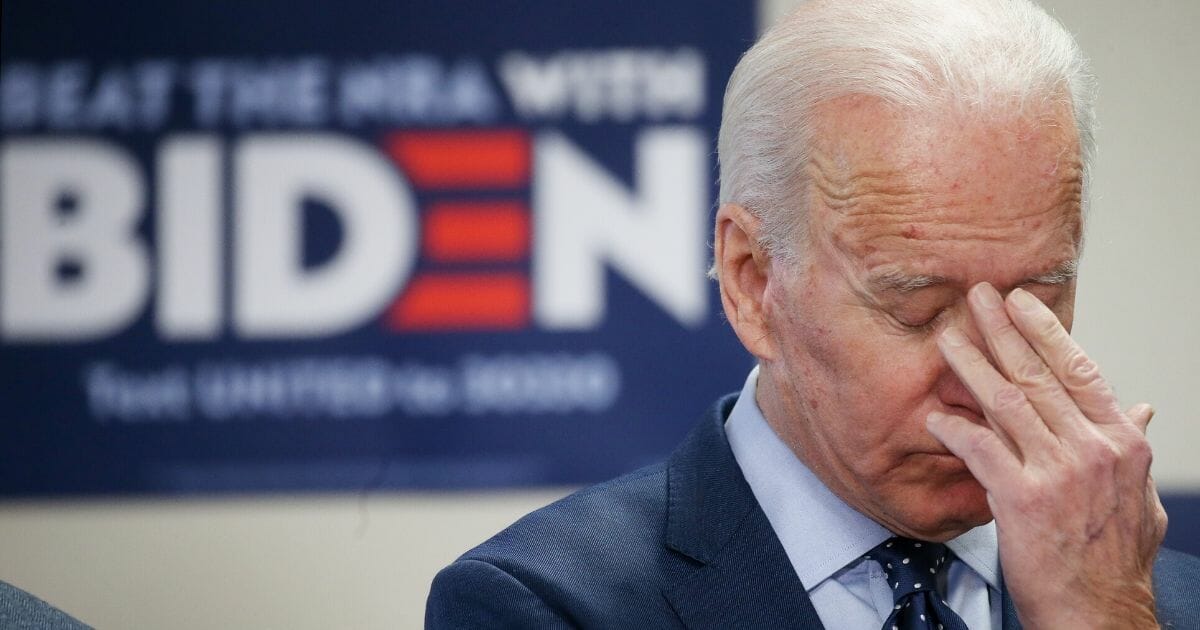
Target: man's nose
[
  {"x": 963, "y": 321},
  {"x": 951, "y": 390},
  {"x": 966, "y": 323},
  {"x": 952, "y": 393}
]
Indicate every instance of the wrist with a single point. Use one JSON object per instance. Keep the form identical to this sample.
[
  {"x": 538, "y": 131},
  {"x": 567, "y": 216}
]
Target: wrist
[
  {"x": 1131, "y": 608},
  {"x": 1130, "y": 612}
]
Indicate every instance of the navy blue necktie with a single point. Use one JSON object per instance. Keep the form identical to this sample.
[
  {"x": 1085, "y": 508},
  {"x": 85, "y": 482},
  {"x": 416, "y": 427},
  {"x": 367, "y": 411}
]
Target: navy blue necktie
[{"x": 911, "y": 567}]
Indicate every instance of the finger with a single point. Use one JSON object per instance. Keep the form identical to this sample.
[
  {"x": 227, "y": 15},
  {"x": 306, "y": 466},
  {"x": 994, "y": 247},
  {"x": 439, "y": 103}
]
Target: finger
[
  {"x": 1141, "y": 414},
  {"x": 981, "y": 449},
  {"x": 1021, "y": 365},
  {"x": 1078, "y": 373},
  {"x": 1004, "y": 405}
]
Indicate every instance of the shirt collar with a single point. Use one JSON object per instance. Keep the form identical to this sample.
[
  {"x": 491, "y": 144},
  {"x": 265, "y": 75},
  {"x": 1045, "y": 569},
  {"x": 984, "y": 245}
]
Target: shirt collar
[
  {"x": 979, "y": 549},
  {"x": 820, "y": 533}
]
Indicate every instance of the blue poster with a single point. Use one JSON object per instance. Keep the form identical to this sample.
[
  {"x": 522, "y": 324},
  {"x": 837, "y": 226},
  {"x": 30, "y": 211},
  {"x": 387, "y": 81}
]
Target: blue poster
[{"x": 281, "y": 246}]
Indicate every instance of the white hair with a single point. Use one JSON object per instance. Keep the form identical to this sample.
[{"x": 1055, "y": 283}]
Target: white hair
[{"x": 915, "y": 54}]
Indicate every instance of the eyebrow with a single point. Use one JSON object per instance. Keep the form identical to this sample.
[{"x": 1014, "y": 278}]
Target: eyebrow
[
  {"x": 1061, "y": 274},
  {"x": 896, "y": 280}
]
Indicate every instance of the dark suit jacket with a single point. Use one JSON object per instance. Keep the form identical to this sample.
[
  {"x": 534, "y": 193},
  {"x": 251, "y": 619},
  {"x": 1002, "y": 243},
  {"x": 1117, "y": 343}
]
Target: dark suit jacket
[
  {"x": 20, "y": 610},
  {"x": 682, "y": 544}
]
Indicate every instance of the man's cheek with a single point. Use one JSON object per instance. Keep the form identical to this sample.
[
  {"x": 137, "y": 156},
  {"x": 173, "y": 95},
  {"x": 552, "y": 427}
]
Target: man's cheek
[
  {"x": 859, "y": 352},
  {"x": 840, "y": 339},
  {"x": 896, "y": 372}
]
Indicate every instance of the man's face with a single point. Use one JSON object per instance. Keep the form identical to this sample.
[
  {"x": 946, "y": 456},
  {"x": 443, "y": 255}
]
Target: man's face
[{"x": 907, "y": 212}]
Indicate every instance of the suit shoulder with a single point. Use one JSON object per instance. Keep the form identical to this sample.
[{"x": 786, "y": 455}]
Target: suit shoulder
[
  {"x": 19, "y": 609},
  {"x": 628, "y": 510},
  {"x": 1171, "y": 564},
  {"x": 1177, "y": 589},
  {"x": 595, "y": 558},
  {"x": 475, "y": 594}
]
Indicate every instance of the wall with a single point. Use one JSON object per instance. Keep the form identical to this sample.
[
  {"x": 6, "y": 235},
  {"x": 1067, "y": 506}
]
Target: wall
[
  {"x": 294, "y": 562},
  {"x": 364, "y": 562}
]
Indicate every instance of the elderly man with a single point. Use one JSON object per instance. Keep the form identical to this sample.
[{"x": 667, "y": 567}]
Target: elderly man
[{"x": 922, "y": 444}]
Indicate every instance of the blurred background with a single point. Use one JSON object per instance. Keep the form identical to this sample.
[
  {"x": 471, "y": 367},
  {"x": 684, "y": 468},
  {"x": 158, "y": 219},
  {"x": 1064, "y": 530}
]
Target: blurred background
[{"x": 300, "y": 301}]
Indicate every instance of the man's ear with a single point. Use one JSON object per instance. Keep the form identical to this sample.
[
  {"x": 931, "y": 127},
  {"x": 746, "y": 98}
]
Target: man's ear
[{"x": 742, "y": 269}]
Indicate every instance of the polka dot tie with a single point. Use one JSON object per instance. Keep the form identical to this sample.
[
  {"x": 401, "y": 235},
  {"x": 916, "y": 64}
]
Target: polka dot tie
[{"x": 911, "y": 567}]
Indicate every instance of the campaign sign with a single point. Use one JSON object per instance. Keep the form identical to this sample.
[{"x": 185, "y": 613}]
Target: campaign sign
[{"x": 273, "y": 245}]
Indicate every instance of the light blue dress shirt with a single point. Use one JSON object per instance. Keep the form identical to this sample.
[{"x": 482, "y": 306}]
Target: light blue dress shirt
[{"x": 825, "y": 538}]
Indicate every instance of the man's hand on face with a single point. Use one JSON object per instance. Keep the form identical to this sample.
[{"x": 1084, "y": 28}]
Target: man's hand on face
[{"x": 1067, "y": 472}]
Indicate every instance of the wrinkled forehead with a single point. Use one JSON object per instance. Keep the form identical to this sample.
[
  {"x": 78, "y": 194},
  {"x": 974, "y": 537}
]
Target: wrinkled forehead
[
  {"x": 864, "y": 135},
  {"x": 946, "y": 187}
]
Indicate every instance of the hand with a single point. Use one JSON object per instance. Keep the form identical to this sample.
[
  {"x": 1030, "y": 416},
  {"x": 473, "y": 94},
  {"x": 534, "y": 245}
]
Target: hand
[{"x": 1066, "y": 471}]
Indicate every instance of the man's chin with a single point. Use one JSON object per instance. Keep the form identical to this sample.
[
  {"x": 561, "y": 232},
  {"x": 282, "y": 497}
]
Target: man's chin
[{"x": 945, "y": 512}]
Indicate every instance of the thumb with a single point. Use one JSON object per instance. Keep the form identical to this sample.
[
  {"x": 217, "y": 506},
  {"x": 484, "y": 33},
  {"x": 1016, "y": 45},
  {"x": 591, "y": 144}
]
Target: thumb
[{"x": 1141, "y": 414}]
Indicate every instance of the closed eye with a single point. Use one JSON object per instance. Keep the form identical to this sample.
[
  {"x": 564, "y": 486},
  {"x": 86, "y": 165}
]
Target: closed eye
[{"x": 923, "y": 327}]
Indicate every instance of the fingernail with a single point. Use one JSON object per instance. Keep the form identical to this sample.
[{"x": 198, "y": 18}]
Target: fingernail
[
  {"x": 953, "y": 337},
  {"x": 987, "y": 295},
  {"x": 1024, "y": 300}
]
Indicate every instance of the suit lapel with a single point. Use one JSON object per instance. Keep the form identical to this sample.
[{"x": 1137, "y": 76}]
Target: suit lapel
[
  {"x": 1008, "y": 612},
  {"x": 736, "y": 573},
  {"x": 750, "y": 584}
]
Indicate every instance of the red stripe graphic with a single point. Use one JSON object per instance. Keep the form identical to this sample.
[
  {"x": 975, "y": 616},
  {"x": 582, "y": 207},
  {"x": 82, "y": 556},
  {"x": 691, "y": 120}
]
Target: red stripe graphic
[
  {"x": 462, "y": 159},
  {"x": 444, "y": 301},
  {"x": 476, "y": 231}
]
